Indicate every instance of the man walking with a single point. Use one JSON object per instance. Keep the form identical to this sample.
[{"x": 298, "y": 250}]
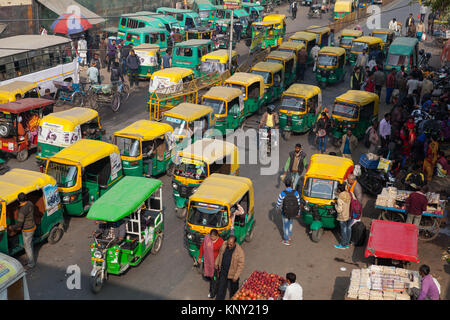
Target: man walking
[
  {"x": 112, "y": 52},
  {"x": 167, "y": 59},
  {"x": 385, "y": 130},
  {"x": 374, "y": 138},
  {"x": 409, "y": 21},
  {"x": 93, "y": 74},
  {"x": 423, "y": 12},
  {"x": 356, "y": 79},
  {"x": 390, "y": 85},
  {"x": 343, "y": 216},
  {"x": 416, "y": 204},
  {"x": 289, "y": 204},
  {"x": 238, "y": 30},
  {"x": 295, "y": 164},
  {"x": 322, "y": 129},
  {"x": 133, "y": 63},
  {"x": 349, "y": 144},
  {"x": 361, "y": 61},
  {"x": 302, "y": 57},
  {"x": 379, "y": 79},
  {"x": 294, "y": 9},
  {"x": 98, "y": 64},
  {"x": 314, "y": 55},
  {"x": 354, "y": 187},
  {"x": 25, "y": 222},
  {"x": 124, "y": 53},
  {"x": 230, "y": 263},
  {"x": 293, "y": 291}
]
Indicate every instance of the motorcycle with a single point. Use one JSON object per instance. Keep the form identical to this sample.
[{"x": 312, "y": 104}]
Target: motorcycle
[
  {"x": 98, "y": 273},
  {"x": 424, "y": 59},
  {"x": 265, "y": 142},
  {"x": 373, "y": 181},
  {"x": 315, "y": 11}
]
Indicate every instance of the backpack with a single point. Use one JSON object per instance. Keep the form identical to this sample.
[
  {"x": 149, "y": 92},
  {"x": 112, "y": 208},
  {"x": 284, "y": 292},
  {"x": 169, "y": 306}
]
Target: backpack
[
  {"x": 355, "y": 208},
  {"x": 367, "y": 138},
  {"x": 290, "y": 204}
]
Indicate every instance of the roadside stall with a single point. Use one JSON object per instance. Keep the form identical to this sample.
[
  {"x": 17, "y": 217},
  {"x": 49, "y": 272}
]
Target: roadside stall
[
  {"x": 260, "y": 286},
  {"x": 391, "y": 202}
]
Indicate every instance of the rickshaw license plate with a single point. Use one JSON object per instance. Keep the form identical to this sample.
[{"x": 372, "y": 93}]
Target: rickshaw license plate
[{"x": 99, "y": 260}]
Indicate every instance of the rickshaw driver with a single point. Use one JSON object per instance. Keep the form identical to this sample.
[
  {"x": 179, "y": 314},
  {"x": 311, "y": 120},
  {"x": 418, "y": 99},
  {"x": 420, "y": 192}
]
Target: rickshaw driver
[
  {"x": 114, "y": 231},
  {"x": 270, "y": 120},
  {"x": 148, "y": 150}
]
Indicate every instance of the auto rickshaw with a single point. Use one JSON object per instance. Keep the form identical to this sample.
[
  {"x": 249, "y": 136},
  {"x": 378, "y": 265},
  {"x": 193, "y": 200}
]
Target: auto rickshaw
[
  {"x": 403, "y": 51},
  {"x": 150, "y": 57},
  {"x": 289, "y": 62},
  {"x": 322, "y": 35},
  {"x": 187, "y": 18},
  {"x": 188, "y": 54},
  {"x": 228, "y": 106},
  {"x": 362, "y": 43},
  {"x": 19, "y": 122},
  {"x": 300, "y": 106},
  {"x": 26, "y": 89},
  {"x": 147, "y": 148},
  {"x": 212, "y": 207},
  {"x": 186, "y": 118},
  {"x": 206, "y": 10},
  {"x": 265, "y": 34},
  {"x": 203, "y": 33},
  {"x": 42, "y": 191},
  {"x": 354, "y": 109},
  {"x": 324, "y": 174},
  {"x": 13, "y": 279},
  {"x": 62, "y": 129},
  {"x": 84, "y": 172},
  {"x": 218, "y": 61},
  {"x": 343, "y": 8},
  {"x": 308, "y": 39},
  {"x": 330, "y": 65},
  {"x": 273, "y": 76},
  {"x": 134, "y": 204},
  {"x": 292, "y": 47},
  {"x": 170, "y": 80},
  {"x": 346, "y": 38},
  {"x": 386, "y": 35},
  {"x": 255, "y": 11},
  {"x": 252, "y": 87},
  {"x": 197, "y": 162}
]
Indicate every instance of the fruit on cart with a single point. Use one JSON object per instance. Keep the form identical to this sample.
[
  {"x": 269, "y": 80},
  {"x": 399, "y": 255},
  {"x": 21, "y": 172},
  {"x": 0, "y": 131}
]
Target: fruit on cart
[{"x": 260, "y": 286}]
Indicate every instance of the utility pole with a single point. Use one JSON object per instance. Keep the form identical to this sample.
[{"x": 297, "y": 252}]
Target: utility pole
[{"x": 231, "y": 42}]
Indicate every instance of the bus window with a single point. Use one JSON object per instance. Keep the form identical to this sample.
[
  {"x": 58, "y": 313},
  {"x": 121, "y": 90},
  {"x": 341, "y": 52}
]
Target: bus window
[
  {"x": 21, "y": 64},
  {"x": 54, "y": 56},
  {"x": 141, "y": 25},
  {"x": 147, "y": 38},
  {"x": 6, "y": 68},
  {"x": 162, "y": 36},
  {"x": 153, "y": 38},
  {"x": 179, "y": 17},
  {"x": 123, "y": 22},
  {"x": 66, "y": 53}
]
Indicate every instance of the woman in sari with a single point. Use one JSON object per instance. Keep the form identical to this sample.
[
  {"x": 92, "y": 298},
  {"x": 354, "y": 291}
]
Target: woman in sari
[{"x": 209, "y": 251}]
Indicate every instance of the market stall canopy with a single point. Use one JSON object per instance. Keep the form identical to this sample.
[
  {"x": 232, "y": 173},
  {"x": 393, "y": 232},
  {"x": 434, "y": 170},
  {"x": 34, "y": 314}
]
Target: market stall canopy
[{"x": 61, "y": 7}]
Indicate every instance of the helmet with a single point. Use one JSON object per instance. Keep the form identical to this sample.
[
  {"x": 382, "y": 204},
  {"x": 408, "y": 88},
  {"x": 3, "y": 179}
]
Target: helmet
[
  {"x": 271, "y": 108},
  {"x": 421, "y": 51}
]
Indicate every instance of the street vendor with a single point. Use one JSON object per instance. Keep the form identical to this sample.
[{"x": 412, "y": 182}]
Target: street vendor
[
  {"x": 415, "y": 179},
  {"x": 416, "y": 204},
  {"x": 429, "y": 289}
]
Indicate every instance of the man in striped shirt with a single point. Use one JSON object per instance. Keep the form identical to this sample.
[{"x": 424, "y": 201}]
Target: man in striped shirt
[{"x": 289, "y": 204}]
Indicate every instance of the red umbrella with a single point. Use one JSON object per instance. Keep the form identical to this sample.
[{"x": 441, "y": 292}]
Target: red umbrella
[{"x": 70, "y": 23}]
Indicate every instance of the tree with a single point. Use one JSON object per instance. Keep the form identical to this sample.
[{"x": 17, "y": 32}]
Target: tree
[{"x": 443, "y": 6}]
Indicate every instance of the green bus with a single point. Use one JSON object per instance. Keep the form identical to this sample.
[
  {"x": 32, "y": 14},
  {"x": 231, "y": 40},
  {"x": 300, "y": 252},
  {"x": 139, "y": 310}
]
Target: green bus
[
  {"x": 187, "y": 18},
  {"x": 148, "y": 35}
]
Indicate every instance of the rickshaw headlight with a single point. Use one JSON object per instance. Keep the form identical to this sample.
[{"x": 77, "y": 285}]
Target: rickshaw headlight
[
  {"x": 66, "y": 198},
  {"x": 189, "y": 236},
  {"x": 97, "y": 254},
  {"x": 307, "y": 208},
  {"x": 175, "y": 186}
]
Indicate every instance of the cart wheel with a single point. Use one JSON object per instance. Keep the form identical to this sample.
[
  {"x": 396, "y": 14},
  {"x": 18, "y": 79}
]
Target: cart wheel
[
  {"x": 115, "y": 104},
  {"x": 55, "y": 234},
  {"x": 22, "y": 155},
  {"x": 77, "y": 99},
  {"x": 250, "y": 233},
  {"x": 157, "y": 244},
  {"x": 429, "y": 228},
  {"x": 96, "y": 283},
  {"x": 286, "y": 135},
  {"x": 181, "y": 213},
  {"x": 392, "y": 216},
  {"x": 316, "y": 235}
]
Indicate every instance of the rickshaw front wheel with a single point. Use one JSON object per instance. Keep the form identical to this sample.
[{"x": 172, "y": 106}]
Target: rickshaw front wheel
[
  {"x": 316, "y": 235},
  {"x": 96, "y": 283},
  {"x": 22, "y": 155},
  {"x": 181, "y": 213},
  {"x": 55, "y": 234},
  {"x": 157, "y": 244},
  {"x": 115, "y": 103}
]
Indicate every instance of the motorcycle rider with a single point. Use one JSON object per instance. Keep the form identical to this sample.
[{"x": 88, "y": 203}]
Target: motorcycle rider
[
  {"x": 114, "y": 231},
  {"x": 270, "y": 120},
  {"x": 415, "y": 179}
]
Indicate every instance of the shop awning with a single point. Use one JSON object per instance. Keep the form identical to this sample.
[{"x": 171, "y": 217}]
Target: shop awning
[{"x": 64, "y": 6}]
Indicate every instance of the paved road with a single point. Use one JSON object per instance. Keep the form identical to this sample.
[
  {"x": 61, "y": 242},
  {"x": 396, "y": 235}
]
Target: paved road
[{"x": 170, "y": 274}]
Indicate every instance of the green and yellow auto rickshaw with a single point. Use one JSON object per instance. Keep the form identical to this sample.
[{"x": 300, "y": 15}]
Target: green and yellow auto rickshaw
[
  {"x": 346, "y": 38},
  {"x": 42, "y": 191},
  {"x": 197, "y": 162},
  {"x": 289, "y": 62},
  {"x": 300, "y": 106},
  {"x": 343, "y": 8},
  {"x": 13, "y": 279},
  {"x": 190, "y": 122},
  {"x": 84, "y": 172},
  {"x": 147, "y": 148},
  {"x": 213, "y": 205},
  {"x": 268, "y": 33},
  {"x": 292, "y": 47},
  {"x": 354, "y": 109},
  {"x": 308, "y": 39},
  {"x": 188, "y": 54},
  {"x": 324, "y": 174},
  {"x": 322, "y": 35},
  {"x": 330, "y": 65},
  {"x": 273, "y": 76},
  {"x": 252, "y": 87},
  {"x": 150, "y": 57},
  {"x": 218, "y": 61},
  {"x": 403, "y": 51},
  {"x": 203, "y": 33},
  {"x": 364, "y": 43},
  {"x": 134, "y": 207},
  {"x": 386, "y": 35},
  {"x": 228, "y": 106},
  {"x": 61, "y": 129}
]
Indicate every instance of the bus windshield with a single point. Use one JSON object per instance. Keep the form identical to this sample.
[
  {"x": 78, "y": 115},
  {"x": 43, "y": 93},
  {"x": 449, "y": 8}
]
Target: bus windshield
[
  {"x": 218, "y": 106},
  {"x": 65, "y": 175},
  {"x": 345, "y": 110},
  {"x": 208, "y": 215},
  {"x": 128, "y": 147},
  {"x": 320, "y": 188}
]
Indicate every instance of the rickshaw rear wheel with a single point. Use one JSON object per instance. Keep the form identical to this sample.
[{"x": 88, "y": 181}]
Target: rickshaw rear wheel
[
  {"x": 181, "y": 213},
  {"x": 316, "y": 235},
  {"x": 5, "y": 130},
  {"x": 55, "y": 234},
  {"x": 115, "y": 103},
  {"x": 157, "y": 244},
  {"x": 96, "y": 283},
  {"x": 22, "y": 155}
]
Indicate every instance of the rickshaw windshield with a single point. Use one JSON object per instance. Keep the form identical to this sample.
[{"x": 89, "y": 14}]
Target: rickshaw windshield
[
  {"x": 286, "y": 50},
  {"x": 178, "y": 125},
  {"x": 320, "y": 188},
  {"x": 218, "y": 106},
  {"x": 346, "y": 41},
  {"x": 265, "y": 74},
  {"x": 382, "y": 36},
  {"x": 240, "y": 87},
  {"x": 208, "y": 215},
  {"x": 65, "y": 175},
  {"x": 212, "y": 67},
  {"x": 397, "y": 60},
  {"x": 345, "y": 110},
  {"x": 327, "y": 60},
  {"x": 193, "y": 169},
  {"x": 293, "y": 103},
  {"x": 128, "y": 147},
  {"x": 298, "y": 41},
  {"x": 197, "y": 21},
  {"x": 274, "y": 60},
  {"x": 359, "y": 46}
]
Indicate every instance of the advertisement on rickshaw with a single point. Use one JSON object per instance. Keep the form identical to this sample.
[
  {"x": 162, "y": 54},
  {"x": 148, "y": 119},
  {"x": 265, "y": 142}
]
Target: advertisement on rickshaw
[
  {"x": 53, "y": 134},
  {"x": 164, "y": 85},
  {"x": 116, "y": 164},
  {"x": 52, "y": 199}
]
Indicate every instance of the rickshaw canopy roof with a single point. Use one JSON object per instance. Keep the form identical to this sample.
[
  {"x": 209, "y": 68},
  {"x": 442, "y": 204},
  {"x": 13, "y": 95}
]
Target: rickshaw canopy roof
[
  {"x": 11, "y": 271},
  {"x": 303, "y": 35},
  {"x": 403, "y": 45},
  {"x": 245, "y": 78},
  {"x": 318, "y": 29},
  {"x": 175, "y": 74},
  {"x": 343, "y": 6},
  {"x": 265, "y": 23},
  {"x": 358, "y": 97},
  {"x": 268, "y": 66},
  {"x": 223, "y": 189},
  {"x": 123, "y": 199},
  {"x": 351, "y": 33},
  {"x": 15, "y": 87},
  {"x": 147, "y": 30},
  {"x": 211, "y": 150},
  {"x": 383, "y": 30},
  {"x": 145, "y": 130},
  {"x": 221, "y": 55},
  {"x": 26, "y": 104},
  {"x": 332, "y": 50},
  {"x": 71, "y": 118},
  {"x": 281, "y": 55},
  {"x": 189, "y": 111},
  {"x": 279, "y": 18},
  {"x": 224, "y": 93},
  {"x": 85, "y": 152},
  {"x": 16, "y": 181},
  {"x": 303, "y": 90},
  {"x": 328, "y": 167},
  {"x": 369, "y": 40},
  {"x": 291, "y": 45},
  {"x": 252, "y": 5},
  {"x": 193, "y": 43}
]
